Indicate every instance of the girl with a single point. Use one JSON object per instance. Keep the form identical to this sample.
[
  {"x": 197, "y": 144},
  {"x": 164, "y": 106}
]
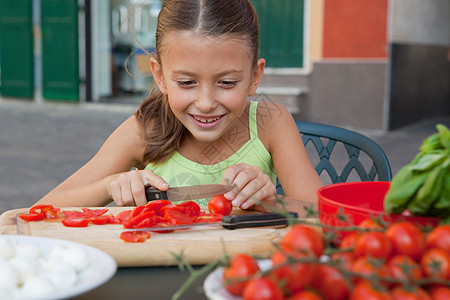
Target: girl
[{"x": 199, "y": 127}]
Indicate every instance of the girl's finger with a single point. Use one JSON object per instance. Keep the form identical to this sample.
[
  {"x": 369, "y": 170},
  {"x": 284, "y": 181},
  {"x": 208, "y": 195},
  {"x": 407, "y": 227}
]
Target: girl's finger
[
  {"x": 138, "y": 188},
  {"x": 154, "y": 180},
  {"x": 114, "y": 192}
]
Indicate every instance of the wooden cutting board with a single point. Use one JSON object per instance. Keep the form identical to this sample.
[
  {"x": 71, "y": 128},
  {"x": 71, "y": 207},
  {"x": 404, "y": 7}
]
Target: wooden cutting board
[{"x": 198, "y": 246}]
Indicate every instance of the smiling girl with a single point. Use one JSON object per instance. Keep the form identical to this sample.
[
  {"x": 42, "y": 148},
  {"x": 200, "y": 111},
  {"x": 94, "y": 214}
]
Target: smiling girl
[{"x": 197, "y": 126}]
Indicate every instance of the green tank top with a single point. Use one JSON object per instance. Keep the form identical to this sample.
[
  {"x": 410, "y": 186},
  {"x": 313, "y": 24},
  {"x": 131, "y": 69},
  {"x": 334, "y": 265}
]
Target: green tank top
[{"x": 180, "y": 171}]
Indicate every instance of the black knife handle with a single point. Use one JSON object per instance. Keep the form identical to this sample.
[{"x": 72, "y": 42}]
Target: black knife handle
[
  {"x": 154, "y": 194},
  {"x": 256, "y": 220}
]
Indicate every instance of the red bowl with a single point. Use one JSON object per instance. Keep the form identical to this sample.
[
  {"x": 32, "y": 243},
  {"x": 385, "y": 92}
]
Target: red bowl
[{"x": 357, "y": 201}]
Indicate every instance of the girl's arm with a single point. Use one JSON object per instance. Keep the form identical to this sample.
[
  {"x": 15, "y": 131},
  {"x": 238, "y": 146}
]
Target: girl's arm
[
  {"x": 295, "y": 172},
  {"x": 106, "y": 176}
]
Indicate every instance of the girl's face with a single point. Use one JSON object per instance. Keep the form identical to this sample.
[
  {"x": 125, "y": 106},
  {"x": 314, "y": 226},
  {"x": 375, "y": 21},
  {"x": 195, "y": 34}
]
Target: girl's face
[{"x": 207, "y": 80}]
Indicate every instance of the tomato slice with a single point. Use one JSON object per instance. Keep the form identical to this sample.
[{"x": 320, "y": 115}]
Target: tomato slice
[
  {"x": 138, "y": 219},
  {"x": 95, "y": 212},
  {"x": 49, "y": 211},
  {"x": 135, "y": 236},
  {"x": 123, "y": 216},
  {"x": 176, "y": 217},
  {"x": 136, "y": 211},
  {"x": 156, "y": 205},
  {"x": 75, "y": 214},
  {"x": 32, "y": 216},
  {"x": 103, "y": 219},
  {"x": 209, "y": 217},
  {"x": 190, "y": 208},
  {"x": 76, "y": 222}
]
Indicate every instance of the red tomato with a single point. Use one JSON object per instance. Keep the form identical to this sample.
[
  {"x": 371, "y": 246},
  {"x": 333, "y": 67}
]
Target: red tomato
[
  {"x": 191, "y": 208},
  {"x": 440, "y": 292},
  {"x": 135, "y": 236},
  {"x": 404, "y": 267},
  {"x": 407, "y": 239},
  {"x": 123, "y": 216},
  {"x": 302, "y": 238},
  {"x": 295, "y": 276},
  {"x": 365, "y": 291},
  {"x": 209, "y": 218},
  {"x": 101, "y": 220},
  {"x": 49, "y": 211},
  {"x": 132, "y": 222},
  {"x": 237, "y": 275},
  {"x": 436, "y": 262},
  {"x": 136, "y": 211},
  {"x": 364, "y": 266},
  {"x": 370, "y": 224},
  {"x": 75, "y": 222},
  {"x": 176, "y": 217},
  {"x": 32, "y": 216},
  {"x": 95, "y": 212},
  {"x": 374, "y": 244},
  {"x": 306, "y": 295},
  {"x": 156, "y": 205},
  {"x": 262, "y": 288},
  {"x": 412, "y": 293},
  {"x": 349, "y": 241},
  {"x": 330, "y": 283},
  {"x": 344, "y": 259},
  {"x": 439, "y": 237},
  {"x": 220, "y": 205}
]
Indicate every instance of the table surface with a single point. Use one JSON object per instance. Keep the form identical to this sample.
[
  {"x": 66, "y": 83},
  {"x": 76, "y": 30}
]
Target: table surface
[{"x": 146, "y": 283}]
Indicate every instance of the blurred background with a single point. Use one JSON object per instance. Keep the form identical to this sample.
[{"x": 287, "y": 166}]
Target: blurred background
[
  {"x": 365, "y": 64},
  {"x": 73, "y": 70}
]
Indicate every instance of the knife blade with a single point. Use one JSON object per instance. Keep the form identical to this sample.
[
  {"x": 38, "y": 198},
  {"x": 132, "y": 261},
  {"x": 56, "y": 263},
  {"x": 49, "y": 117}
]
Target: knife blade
[
  {"x": 183, "y": 193},
  {"x": 233, "y": 222}
]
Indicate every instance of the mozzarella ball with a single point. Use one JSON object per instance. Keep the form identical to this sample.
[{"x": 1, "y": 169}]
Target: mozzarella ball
[
  {"x": 29, "y": 250},
  {"x": 62, "y": 279},
  {"x": 7, "y": 250},
  {"x": 37, "y": 286},
  {"x": 9, "y": 277},
  {"x": 76, "y": 257},
  {"x": 25, "y": 267}
]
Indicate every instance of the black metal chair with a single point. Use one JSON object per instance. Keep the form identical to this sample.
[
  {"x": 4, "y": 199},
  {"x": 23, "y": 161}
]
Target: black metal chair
[{"x": 358, "y": 158}]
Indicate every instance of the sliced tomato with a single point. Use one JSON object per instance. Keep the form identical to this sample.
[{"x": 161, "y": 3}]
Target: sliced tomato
[
  {"x": 156, "y": 205},
  {"x": 95, "y": 212},
  {"x": 172, "y": 207},
  {"x": 32, "y": 216},
  {"x": 138, "y": 219},
  {"x": 49, "y": 211},
  {"x": 135, "y": 236},
  {"x": 136, "y": 211},
  {"x": 191, "y": 208},
  {"x": 76, "y": 222},
  {"x": 176, "y": 217},
  {"x": 123, "y": 216},
  {"x": 75, "y": 214},
  {"x": 103, "y": 219},
  {"x": 209, "y": 217}
]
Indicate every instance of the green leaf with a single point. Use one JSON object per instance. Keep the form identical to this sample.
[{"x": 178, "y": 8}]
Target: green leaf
[
  {"x": 444, "y": 135},
  {"x": 432, "y": 142},
  {"x": 430, "y": 160}
]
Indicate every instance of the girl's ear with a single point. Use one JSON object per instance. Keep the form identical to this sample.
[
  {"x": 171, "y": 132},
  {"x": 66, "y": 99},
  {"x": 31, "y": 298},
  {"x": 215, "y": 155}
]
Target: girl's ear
[
  {"x": 257, "y": 75},
  {"x": 158, "y": 75}
]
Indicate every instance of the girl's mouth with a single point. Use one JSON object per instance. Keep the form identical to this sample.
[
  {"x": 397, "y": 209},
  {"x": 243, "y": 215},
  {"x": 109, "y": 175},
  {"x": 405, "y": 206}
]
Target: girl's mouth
[{"x": 206, "y": 122}]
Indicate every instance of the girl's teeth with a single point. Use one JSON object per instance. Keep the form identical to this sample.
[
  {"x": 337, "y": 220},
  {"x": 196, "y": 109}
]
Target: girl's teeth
[{"x": 206, "y": 120}]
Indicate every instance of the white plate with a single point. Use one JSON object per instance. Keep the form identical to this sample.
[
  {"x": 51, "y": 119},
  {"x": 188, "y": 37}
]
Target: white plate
[
  {"x": 213, "y": 285},
  {"x": 101, "y": 267}
]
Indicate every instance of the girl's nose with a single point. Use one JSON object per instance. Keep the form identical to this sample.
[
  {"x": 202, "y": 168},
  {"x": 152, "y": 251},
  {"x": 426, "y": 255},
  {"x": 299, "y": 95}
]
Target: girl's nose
[{"x": 206, "y": 101}]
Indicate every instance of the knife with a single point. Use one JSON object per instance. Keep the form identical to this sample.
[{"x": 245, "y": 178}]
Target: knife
[
  {"x": 233, "y": 222},
  {"x": 184, "y": 193}
]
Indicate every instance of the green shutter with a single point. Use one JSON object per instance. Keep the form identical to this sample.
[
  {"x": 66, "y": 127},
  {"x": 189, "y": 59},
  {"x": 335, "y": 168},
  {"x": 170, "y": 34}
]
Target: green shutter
[
  {"x": 60, "y": 49},
  {"x": 16, "y": 48},
  {"x": 281, "y": 32}
]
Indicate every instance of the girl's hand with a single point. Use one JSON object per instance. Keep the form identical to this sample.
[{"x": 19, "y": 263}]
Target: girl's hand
[
  {"x": 250, "y": 186},
  {"x": 128, "y": 188}
]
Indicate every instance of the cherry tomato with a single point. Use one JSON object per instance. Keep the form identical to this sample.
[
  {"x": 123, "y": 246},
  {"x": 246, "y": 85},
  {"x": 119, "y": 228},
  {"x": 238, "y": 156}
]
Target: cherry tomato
[
  {"x": 370, "y": 223},
  {"x": 75, "y": 222},
  {"x": 365, "y": 291},
  {"x": 32, "y": 216},
  {"x": 366, "y": 267},
  {"x": 302, "y": 238},
  {"x": 262, "y": 288},
  {"x": 135, "y": 236},
  {"x": 344, "y": 259},
  {"x": 404, "y": 267},
  {"x": 349, "y": 241},
  {"x": 306, "y": 295},
  {"x": 439, "y": 237},
  {"x": 330, "y": 283},
  {"x": 295, "y": 276},
  {"x": 237, "y": 275},
  {"x": 412, "y": 293},
  {"x": 374, "y": 244},
  {"x": 440, "y": 292},
  {"x": 407, "y": 239},
  {"x": 436, "y": 262},
  {"x": 220, "y": 205}
]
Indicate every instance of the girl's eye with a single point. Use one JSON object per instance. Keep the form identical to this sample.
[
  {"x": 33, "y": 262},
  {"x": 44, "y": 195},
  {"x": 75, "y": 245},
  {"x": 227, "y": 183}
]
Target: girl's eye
[
  {"x": 228, "y": 83},
  {"x": 185, "y": 83}
]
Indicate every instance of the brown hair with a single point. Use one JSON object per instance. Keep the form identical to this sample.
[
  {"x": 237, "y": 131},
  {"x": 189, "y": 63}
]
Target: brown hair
[{"x": 163, "y": 131}]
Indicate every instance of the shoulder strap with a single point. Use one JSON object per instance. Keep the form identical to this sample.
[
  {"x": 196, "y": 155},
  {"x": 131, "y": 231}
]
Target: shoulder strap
[{"x": 253, "y": 126}]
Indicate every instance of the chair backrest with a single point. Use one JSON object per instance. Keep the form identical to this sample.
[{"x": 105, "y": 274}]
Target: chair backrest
[{"x": 356, "y": 153}]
